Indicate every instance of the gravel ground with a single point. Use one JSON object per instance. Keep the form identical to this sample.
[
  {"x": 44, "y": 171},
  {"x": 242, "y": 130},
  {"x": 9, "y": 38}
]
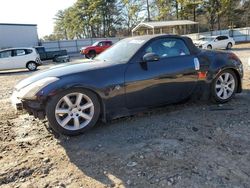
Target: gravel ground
[{"x": 186, "y": 145}]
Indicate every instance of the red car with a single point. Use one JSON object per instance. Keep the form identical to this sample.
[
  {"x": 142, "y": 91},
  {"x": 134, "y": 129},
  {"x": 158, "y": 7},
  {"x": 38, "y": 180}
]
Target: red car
[{"x": 96, "y": 48}]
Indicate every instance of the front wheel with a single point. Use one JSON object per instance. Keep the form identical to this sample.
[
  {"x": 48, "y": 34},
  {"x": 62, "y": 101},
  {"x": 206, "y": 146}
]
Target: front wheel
[
  {"x": 32, "y": 66},
  {"x": 224, "y": 86},
  {"x": 91, "y": 55},
  {"x": 73, "y": 111}
]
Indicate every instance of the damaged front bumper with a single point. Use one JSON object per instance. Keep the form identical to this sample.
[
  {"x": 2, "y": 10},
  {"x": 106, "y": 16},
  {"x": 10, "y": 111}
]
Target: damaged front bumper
[{"x": 34, "y": 108}]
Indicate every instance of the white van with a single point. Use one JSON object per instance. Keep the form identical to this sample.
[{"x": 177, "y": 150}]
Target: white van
[{"x": 17, "y": 58}]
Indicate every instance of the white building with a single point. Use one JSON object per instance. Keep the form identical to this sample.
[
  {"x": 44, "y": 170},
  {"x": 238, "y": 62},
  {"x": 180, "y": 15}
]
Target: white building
[{"x": 18, "y": 35}]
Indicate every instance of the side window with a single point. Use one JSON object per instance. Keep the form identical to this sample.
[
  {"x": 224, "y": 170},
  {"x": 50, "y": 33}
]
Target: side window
[
  {"x": 19, "y": 52},
  {"x": 109, "y": 43},
  {"x": 101, "y": 44},
  {"x": 28, "y": 51},
  {"x": 224, "y": 37},
  {"x": 5, "y": 54},
  {"x": 168, "y": 48}
]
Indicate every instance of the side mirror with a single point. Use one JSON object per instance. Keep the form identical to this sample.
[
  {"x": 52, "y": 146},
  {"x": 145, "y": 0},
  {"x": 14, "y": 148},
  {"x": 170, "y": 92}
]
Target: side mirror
[{"x": 150, "y": 57}]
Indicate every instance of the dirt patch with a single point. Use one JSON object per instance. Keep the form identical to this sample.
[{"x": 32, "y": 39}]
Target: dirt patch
[{"x": 186, "y": 145}]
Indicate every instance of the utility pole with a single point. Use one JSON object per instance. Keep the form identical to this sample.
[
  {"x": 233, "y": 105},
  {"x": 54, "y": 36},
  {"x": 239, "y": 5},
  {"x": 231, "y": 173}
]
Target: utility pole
[{"x": 148, "y": 11}]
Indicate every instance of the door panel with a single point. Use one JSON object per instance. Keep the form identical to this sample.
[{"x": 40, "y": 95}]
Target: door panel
[
  {"x": 100, "y": 47},
  {"x": 5, "y": 60},
  {"x": 170, "y": 79},
  {"x": 222, "y": 41},
  {"x": 225, "y": 42},
  {"x": 19, "y": 59},
  {"x": 217, "y": 43},
  {"x": 165, "y": 81}
]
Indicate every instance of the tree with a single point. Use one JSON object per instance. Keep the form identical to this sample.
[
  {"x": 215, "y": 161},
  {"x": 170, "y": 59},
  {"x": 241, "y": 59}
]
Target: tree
[
  {"x": 148, "y": 10},
  {"x": 110, "y": 11},
  {"x": 105, "y": 18},
  {"x": 51, "y": 37},
  {"x": 131, "y": 13},
  {"x": 164, "y": 7},
  {"x": 60, "y": 31}
]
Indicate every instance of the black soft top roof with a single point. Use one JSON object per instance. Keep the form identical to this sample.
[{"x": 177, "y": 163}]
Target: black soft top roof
[{"x": 193, "y": 49}]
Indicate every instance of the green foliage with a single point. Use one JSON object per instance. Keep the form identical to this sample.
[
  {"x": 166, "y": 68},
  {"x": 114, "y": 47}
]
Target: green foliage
[
  {"x": 164, "y": 7},
  {"x": 106, "y": 18},
  {"x": 130, "y": 13}
]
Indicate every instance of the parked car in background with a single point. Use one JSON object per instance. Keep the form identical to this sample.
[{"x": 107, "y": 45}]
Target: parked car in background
[
  {"x": 50, "y": 55},
  {"x": 215, "y": 42},
  {"x": 16, "y": 58},
  {"x": 135, "y": 74},
  {"x": 96, "y": 48}
]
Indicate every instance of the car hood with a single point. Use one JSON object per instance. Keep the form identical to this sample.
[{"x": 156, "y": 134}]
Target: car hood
[{"x": 63, "y": 70}]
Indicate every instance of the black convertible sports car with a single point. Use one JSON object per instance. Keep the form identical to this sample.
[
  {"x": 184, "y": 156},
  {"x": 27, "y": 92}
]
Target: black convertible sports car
[{"x": 135, "y": 74}]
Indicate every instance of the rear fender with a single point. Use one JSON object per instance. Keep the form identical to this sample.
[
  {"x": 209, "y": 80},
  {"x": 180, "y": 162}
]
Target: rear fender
[{"x": 222, "y": 63}]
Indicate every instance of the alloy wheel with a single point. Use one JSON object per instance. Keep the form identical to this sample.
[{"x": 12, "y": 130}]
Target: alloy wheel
[
  {"x": 74, "y": 111},
  {"x": 225, "y": 86},
  {"x": 32, "y": 66},
  {"x": 229, "y": 46}
]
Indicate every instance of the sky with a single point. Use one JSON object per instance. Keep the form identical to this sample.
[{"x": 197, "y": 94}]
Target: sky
[{"x": 40, "y": 12}]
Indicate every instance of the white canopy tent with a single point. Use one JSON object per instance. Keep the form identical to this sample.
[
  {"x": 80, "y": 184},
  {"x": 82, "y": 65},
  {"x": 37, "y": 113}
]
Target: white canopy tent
[{"x": 159, "y": 27}]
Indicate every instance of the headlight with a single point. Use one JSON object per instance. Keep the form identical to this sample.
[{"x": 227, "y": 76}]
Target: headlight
[{"x": 30, "y": 91}]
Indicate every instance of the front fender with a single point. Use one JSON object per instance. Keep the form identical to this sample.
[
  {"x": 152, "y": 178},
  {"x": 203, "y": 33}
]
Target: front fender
[
  {"x": 86, "y": 51},
  {"x": 110, "y": 90},
  {"x": 64, "y": 84}
]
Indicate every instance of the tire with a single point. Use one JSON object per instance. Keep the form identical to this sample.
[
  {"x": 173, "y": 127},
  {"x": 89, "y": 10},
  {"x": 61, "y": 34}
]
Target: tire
[
  {"x": 224, "y": 86},
  {"x": 91, "y": 54},
  {"x": 55, "y": 59},
  {"x": 32, "y": 66},
  {"x": 209, "y": 47},
  {"x": 59, "y": 111},
  {"x": 229, "y": 46}
]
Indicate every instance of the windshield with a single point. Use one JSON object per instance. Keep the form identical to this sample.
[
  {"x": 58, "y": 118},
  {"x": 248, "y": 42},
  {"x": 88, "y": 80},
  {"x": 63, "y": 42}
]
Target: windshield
[
  {"x": 206, "y": 39},
  {"x": 121, "y": 51},
  {"x": 95, "y": 44}
]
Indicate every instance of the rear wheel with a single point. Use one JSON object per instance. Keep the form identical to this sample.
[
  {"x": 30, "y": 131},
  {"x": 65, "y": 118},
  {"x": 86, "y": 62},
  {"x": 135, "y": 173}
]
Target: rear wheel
[
  {"x": 73, "y": 111},
  {"x": 224, "y": 86},
  {"x": 229, "y": 46},
  {"x": 209, "y": 47},
  {"x": 32, "y": 66},
  {"x": 55, "y": 59}
]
